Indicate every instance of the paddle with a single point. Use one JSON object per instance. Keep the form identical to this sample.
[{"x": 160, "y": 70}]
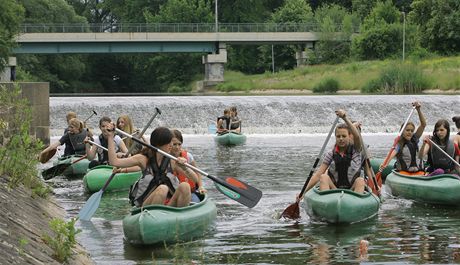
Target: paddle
[
  {"x": 46, "y": 156},
  {"x": 212, "y": 129},
  {"x": 58, "y": 169},
  {"x": 444, "y": 152},
  {"x": 92, "y": 114},
  {"x": 229, "y": 186},
  {"x": 92, "y": 203},
  {"x": 293, "y": 211},
  {"x": 367, "y": 163},
  {"x": 378, "y": 176}
]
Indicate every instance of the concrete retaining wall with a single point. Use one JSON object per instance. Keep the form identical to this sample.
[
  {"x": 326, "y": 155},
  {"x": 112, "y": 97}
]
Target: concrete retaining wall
[{"x": 37, "y": 93}]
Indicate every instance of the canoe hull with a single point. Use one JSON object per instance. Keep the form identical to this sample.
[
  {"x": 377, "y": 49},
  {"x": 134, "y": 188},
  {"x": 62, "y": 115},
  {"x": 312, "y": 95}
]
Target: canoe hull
[
  {"x": 230, "y": 139},
  {"x": 96, "y": 177},
  {"x": 73, "y": 170},
  {"x": 159, "y": 223},
  {"x": 440, "y": 189},
  {"x": 340, "y": 205},
  {"x": 375, "y": 164}
]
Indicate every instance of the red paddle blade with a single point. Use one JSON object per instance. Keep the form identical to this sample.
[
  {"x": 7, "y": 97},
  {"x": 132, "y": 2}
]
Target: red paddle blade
[{"x": 292, "y": 211}]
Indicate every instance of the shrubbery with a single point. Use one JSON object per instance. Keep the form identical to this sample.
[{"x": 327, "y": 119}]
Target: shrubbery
[
  {"x": 398, "y": 79},
  {"x": 327, "y": 85},
  {"x": 18, "y": 150}
]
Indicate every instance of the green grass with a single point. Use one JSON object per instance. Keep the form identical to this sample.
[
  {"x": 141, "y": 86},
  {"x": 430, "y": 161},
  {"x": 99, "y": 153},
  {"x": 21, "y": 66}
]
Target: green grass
[{"x": 443, "y": 73}]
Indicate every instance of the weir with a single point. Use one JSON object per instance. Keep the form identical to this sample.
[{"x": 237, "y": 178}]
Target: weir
[{"x": 260, "y": 114}]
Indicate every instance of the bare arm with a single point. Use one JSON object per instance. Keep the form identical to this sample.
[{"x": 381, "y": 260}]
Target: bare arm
[
  {"x": 356, "y": 135},
  {"x": 90, "y": 150},
  {"x": 136, "y": 160},
  {"x": 421, "y": 127},
  {"x": 178, "y": 166},
  {"x": 51, "y": 147}
]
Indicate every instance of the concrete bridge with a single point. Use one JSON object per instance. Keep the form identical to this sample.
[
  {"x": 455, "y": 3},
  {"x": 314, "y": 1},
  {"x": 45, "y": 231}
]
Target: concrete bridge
[{"x": 169, "y": 37}]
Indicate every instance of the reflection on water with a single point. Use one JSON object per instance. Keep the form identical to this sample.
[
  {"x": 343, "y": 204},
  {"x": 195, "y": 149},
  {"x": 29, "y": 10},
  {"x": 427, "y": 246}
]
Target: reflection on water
[{"x": 403, "y": 231}]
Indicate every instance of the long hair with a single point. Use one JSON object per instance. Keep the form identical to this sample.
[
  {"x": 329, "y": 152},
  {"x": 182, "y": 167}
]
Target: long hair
[
  {"x": 401, "y": 140},
  {"x": 456, "y": 119},
  {"x": 159, "y": 137},
  {"x": 127, "y": 129},
  {"x": 445, "y": 124},
  {"x": 177, "y": 134},
  {"x": 77, "y": 124}
]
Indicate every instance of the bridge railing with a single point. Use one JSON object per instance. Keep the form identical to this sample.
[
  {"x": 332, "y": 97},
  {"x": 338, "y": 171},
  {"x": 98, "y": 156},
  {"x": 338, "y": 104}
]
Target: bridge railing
[{"x": 170, "y": 27}]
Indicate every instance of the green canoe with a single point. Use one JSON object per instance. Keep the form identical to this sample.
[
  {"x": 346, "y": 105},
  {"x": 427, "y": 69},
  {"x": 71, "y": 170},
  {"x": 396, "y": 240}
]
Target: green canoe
[
  {"x": 230, "y": 138},
  {"x": 159, "y": 223},
  {"x": 75, "y": 170},
  {"x": 340, "y": 205},
  {"x": 96, "y": 177},
  {"x": 376, "y": 162},
  {"x": 439, "y": 189}
]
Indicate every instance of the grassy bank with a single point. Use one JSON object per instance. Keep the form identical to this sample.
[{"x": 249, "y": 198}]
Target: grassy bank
[{"x": 440, "y": 73}]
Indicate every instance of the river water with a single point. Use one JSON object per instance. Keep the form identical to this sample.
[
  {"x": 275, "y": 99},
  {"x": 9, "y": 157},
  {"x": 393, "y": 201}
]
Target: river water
[{"x": 285, "y": 135}]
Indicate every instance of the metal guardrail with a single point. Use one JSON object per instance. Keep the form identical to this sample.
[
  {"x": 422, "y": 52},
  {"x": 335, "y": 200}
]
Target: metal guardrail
[{"x": 170, "y": 27}]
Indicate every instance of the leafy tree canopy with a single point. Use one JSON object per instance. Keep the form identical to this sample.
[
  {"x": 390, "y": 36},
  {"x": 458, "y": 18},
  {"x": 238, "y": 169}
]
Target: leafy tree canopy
[
  {"x": 439, "y": 22},
  {"x": 11, "y": 15}
]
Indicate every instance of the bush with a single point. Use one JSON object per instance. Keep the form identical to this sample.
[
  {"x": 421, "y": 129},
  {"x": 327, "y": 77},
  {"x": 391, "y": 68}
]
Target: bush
[
  {"x": 64, "y": 239},
  {"x": 327, "y": 85},
  {"x": 398, "y": 79},
  {"x": 19, "y": 151}
]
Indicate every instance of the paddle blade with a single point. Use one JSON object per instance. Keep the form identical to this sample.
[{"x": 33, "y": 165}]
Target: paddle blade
[
  {"x": 212, "y": 129},
  {"x": 90, "y": 207},
  {"x": 238, "y": 190},
  {"x": 46, "y": 156},
  {"x": 54, "y": 171},
  {"x": 292, "y": 211}
]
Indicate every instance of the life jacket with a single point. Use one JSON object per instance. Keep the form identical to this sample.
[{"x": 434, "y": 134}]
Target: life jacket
[
  {"x": 436, "y": 159},
  {"x": 225, "y": 123},
  {"x": 78, "y": 145},
  {"x": 344, "y": 169},
  {"x": 233, "y": 125},
  {"x": 103, "y": 156},
  {"x": 152, "y": 177},
  {"x": 182, "y": 177},
  {"x": 407, "y": 155}
]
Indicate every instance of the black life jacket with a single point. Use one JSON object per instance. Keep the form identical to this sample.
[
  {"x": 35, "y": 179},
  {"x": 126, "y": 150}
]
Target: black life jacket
[
  {"x": 342, "y": 164},
  {"x": 104, "y": 158},
  {"x": 226, "y": 123},
  {"x": 436, "y": 159},
  {"x": 78, "y": 145},
  {"x": 402, "y": 161},
  {"x": 152, "y": 177}
]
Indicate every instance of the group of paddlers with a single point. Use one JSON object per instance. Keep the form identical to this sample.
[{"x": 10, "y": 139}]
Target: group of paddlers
[
  {"x": 163, "y": 181},
  {"x": 344, "y": 165},
  {"x": 229, "y": 122},
  {"x": 166, "y": 181}
]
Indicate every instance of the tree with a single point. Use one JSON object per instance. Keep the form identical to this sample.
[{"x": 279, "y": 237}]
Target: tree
[
  {"x": 336, "y": 27},
  {"x": 382, "y": 33},
  {"x": 439, "y": 23},
  {"x": 291, "y": 13},
  {"x": 11, "y": 16},
  {"x": 62, "y": 71}
]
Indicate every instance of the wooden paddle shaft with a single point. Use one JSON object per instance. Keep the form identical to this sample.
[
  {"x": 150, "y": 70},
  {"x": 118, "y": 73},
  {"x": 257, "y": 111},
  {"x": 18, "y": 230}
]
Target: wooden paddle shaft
[{"x": 444, "y": 152}]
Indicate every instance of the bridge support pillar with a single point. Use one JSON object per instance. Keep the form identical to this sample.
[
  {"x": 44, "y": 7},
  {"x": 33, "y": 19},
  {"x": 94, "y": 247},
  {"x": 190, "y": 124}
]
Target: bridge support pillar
[
  {"x": 301, "y": 58},
  {"x": 9, "y": 73},
  {"x": 214, "y": 66}
]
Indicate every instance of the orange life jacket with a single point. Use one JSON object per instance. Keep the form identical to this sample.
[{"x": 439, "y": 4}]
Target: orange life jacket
[{"x": 182, "y": 177}]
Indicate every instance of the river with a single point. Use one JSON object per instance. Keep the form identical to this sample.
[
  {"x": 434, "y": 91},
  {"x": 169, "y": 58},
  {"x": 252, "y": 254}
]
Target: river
[{"x": 285, "y": 134}]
